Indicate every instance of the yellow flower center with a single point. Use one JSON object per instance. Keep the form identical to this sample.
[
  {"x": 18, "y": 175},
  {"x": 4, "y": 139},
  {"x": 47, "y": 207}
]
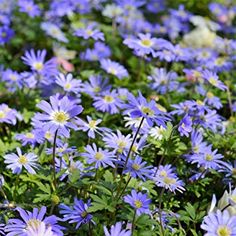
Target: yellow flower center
[
  {"x": 121, "y": 144},
  {"x": 234, "y": 171},
  {"x": 223, "y": 231},
  {"x": 89, "y": 32},
  {"x": 147, "y": 111},
  {"x": 199, "y": 102},
  {"x": 34, "y": 223},
  {"x": 84, "y": 214},
  {"x": 48, "y": 135},
  {"x": 22, "y": 159},
  {"x": 213, "y": 81},
  {"x": 163, "y": 173},
  {"x": 29, "y": 135},
  {"x": 113, "y": 71},
  {"x": 97, "y": 89},
  {"x": 168, "y": 180},
  {"x": 38, "y": 66},
  {"x": 233, "y": 198},
  {"x": 146, "y": 42},
  {"x": 99, "y": 156},
  {"x": 210, "y": 95},
  {"x": 92, "y": 124},
  {"x": 60, "y": 117},
  {"x": 209, "y": 157},
  {"x": 138, "y": 204},
  {"x": 136, "y": 167},
  {"x": 2, "y": 114},
  {"x": 13, "y": 77},
  {"x": 108, "y": 99},
  {"x": 67, "y": 86}
]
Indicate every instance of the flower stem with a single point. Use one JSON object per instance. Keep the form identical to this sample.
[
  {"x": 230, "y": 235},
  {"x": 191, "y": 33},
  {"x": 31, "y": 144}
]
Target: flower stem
[
  {"x": 160, "y": 212},
  {"x": 226, "y": 207},
  {"x": 132, "y": 144},
  {"x": 53, "y": 159},
  {"x": 133, "y": 225},
  {"x": 123, "y": 190}
]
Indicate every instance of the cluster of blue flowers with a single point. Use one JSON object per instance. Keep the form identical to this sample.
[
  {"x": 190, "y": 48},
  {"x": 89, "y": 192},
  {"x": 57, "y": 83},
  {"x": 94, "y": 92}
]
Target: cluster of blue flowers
[{"x": 117, "y": 118}]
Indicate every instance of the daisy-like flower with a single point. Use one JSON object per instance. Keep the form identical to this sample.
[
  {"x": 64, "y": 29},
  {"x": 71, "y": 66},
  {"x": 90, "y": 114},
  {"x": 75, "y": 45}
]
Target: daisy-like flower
[
  {"x": 185, "y": 126},
  {"x": 12, "y": 79},
  {"x": 163, "y": 81},
  {"x": 138, "y": 168},
  {"x": 29, "y": 7},
  {"x": 68, "y": 83},
  {"x": 8, "y": 115},
  {"x": 78, "y": 214},
  {"x": 40, "y": 230},
  {"x": 32, "y": 221},
  {"x": 118, "y": 142},
  {"x": 157, "y": 132},
  {"x": 54, "y": 31},
  {"x": 90, "y": 32},
  {"x": 140, "y": 202},
  {"x": 6, "y": 34},
  {"x": 143, "y": 45},
  {"x": 98, "y": 156},
  {"x": 17, "y": 161},
  {"x": 37, "y": 62},
  {"x": 91, "y": 126},
  {"x": 32, "y": 137},
  {"x": 213, "y": 79},
  {"x": 114, "y": 68},
  {"x": 108, "y": 102},
  {"x": 208, "y": 159},
  {"x": 96, "y": 85},
  {"x": 59, "y": 114},
  {"x": 165, "y": 177},
  {"x": 219, "y": 224},
  {"x": 140, "y": 107},
  {"x": 116, "y": 230}
]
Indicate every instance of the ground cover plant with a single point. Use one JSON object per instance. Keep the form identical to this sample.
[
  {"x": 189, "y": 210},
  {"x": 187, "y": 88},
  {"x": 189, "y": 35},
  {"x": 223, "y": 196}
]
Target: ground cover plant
[{"x": 117, "y": 118}]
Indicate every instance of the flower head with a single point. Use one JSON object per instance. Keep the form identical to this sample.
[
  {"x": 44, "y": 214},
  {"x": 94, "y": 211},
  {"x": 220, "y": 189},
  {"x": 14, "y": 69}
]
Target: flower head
[
  {"x": 140, "y": 202},
  {"x": 17, "y": 161},
  {"x": 116, "y": 230}
]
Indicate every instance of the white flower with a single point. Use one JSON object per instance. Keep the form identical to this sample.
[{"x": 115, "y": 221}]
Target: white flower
[{"x": 157, "y": 132}]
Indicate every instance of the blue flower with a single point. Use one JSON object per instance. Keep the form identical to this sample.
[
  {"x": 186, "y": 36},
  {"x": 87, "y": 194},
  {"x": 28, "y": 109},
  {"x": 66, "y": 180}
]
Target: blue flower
[
  {"x": 98, "y": 156},
  {"x": 29, "y": 7},
  {"x": 32, "y": 219},
  {"x": 116, "y": 230},
  {"x": 58, "y": 114},
  {"x": 185, "y": 126},
  {"x": 78, "y": 214},
  {"x": 114, "y": 68},
  {"x": 140, "y": 202},
  {"x": 17, "y": 161},
  {"x": 89, "y": 32},
  {"x": 219, "y": 223}
]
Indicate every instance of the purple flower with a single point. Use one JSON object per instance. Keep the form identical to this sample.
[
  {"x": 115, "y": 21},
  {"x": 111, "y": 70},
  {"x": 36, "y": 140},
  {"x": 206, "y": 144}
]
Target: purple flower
[
  {"x": 98, "y": 156},
  {"x": 118, "y": 142},
  {"x": 78, "y": 214},
  {"x": 90, "y": 126},
  {"x": 140, "y": 107},
  {"x": 96, "y": 85},
  {"x": 17, "y": 161},
  {"x": 5, "y": 34},
  {"x": 59, "y": 114},
  {"x": 39, "y": 229},
  {"x": 140, "y": 202},
  {"x": 116, "y": 230},
  {"x": 12, "y": 79},
  {"x": 29, "y": 7},
  {"x": 213, "y": 79},
  {"x": 32, "y": 137},
  {"x": 68, "y": 83},
  {"x": 219, "y": 223},
  {"x": 209, "y": 159},
  {"x": 166, "y": 178},
  {"x": 163, "y": 81},
  {"x": 37, "y": 62},
  {"x": 138, "y": 168},
  {"x": 213, "y": 100},
  {"x": 198, "y": 146},
  {"x": 143, "y": 45},
  {"x": 90, "y": 32},
  {"x": 185, "y": 126},
  {"x": 114, "y": 68},
  {"x": 8, "y": 115},
  {"x": 108, "y": 102},
  {"x": 99, "y": 52},
  {"x": 29, "y": 219}
]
